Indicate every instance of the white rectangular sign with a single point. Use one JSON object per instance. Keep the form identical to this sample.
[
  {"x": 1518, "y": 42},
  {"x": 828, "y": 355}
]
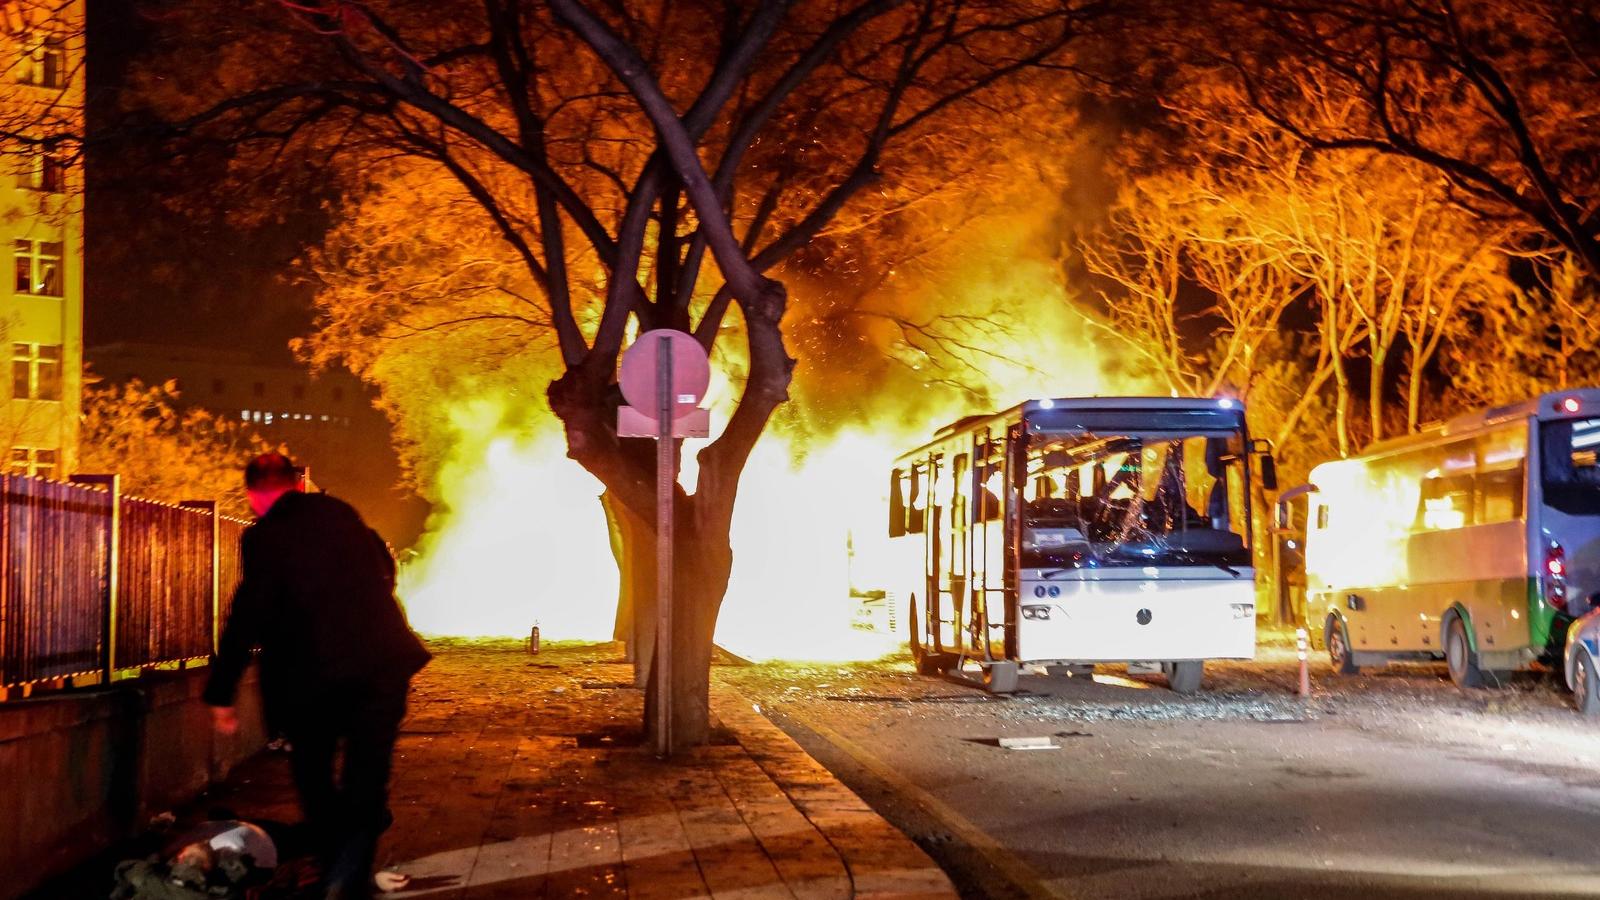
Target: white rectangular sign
[{"x": 696, "y": 423}]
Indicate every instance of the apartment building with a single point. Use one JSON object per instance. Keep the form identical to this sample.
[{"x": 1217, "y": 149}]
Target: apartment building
[{"x": 41, "y": 221}]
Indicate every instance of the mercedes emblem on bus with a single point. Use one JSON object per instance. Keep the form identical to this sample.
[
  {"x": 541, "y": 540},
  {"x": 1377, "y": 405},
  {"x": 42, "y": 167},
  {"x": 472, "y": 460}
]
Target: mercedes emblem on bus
[{"x": 1143, "y": 617}]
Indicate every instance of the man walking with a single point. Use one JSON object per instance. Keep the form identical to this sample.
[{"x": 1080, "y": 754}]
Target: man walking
[{"x": 317, "y": 596}]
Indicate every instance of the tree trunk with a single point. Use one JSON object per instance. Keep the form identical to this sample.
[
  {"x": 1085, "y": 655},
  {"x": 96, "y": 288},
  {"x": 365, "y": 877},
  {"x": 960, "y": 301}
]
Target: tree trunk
[
  {"x": 1375, "y": 392},
  {"x": 702, "y": 555},
  {"x": 1341, "y": 407},
  {"x": 1414, "y": 396},
  {"x": 633, "y": 546},
  {"x": 622, "y": 623},
  {"x": 701, "y": 565}
]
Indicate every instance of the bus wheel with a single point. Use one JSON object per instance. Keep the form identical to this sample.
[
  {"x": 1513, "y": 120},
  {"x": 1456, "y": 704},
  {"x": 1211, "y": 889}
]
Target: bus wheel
[
  {"x": 1586, "y": 685},
  {"x": 1184, "y": 677},
  {"x": 1458, "y": 655},
  {"x": 1337, "y": 640},
  {"x": 1000, "y": 677}
]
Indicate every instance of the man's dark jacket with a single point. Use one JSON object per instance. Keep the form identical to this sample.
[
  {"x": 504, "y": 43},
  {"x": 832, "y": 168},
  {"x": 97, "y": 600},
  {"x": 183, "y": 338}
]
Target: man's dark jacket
[{"x": 317, "y": 595}]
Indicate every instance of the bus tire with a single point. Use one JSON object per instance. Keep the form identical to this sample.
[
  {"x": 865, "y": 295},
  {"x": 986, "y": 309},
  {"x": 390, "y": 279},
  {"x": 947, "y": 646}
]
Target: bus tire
[
  {"x": 1184, "y": 676},
  {"x": 1586, "y": 685},
  {"x": 1000, "y": 677},
  {"x": 1458, "y": 655},
  {"x": 1337, "y": 639},
  {"x": 927, "y": 662}
]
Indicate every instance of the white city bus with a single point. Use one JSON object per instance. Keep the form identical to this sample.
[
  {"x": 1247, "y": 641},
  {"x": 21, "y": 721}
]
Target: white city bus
[
  {"x": 1071, "y": 532},
  {"x": 1477, "y": 540}
]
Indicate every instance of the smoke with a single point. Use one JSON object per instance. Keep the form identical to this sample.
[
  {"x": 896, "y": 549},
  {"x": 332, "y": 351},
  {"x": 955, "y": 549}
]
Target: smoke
[{"x": 519, "y": 540}]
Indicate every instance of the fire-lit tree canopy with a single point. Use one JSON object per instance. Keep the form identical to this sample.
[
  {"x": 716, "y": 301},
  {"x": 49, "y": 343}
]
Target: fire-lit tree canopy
[
  {"x": 1390, "y": 203},
  {"x": 1499, "y": 98},
  {"x": 183, "y": 454},
  {"x": 649, "y": 165}
]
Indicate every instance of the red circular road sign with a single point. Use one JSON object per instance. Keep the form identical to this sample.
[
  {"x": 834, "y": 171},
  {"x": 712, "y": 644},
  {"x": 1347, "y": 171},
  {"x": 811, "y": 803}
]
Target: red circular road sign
[{"x": 691, "y": 372}]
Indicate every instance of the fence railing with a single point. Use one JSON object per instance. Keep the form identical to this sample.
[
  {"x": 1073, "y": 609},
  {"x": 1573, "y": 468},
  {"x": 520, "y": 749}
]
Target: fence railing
[{"x": 93, "y": 583}]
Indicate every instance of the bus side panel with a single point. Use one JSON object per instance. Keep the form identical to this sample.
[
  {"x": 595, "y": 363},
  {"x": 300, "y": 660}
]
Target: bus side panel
[
  {"x": 1482, "y": 567},
  {"x": 1410, "y": 619}
]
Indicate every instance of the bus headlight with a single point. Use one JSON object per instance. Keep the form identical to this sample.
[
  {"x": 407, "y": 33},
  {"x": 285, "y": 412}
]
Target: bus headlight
[
  {"x": 1244, "y": 610},
  {"x": 1036, "y": 612}
]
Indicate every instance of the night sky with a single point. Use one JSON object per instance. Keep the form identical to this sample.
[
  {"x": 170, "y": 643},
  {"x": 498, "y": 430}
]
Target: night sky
[{"x": 162, "y": 262}]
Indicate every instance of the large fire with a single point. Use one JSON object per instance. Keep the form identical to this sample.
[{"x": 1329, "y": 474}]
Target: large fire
[{"x": 522, "y": 540}]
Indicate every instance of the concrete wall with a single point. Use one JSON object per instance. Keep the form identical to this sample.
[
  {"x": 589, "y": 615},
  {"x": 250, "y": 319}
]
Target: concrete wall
[{"x": 81, "y": 770}]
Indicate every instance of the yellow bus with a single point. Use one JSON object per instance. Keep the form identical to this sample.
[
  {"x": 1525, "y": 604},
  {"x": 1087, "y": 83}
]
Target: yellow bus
[{"x": 1475, "y": 541}]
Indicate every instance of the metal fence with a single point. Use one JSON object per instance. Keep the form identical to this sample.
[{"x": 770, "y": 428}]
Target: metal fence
[
  {"x": 94, "y": 583},
  {"x": 55, "y": 568},
  {"x": 230, "y": 566},
  {"x": 165, "y": 595}
]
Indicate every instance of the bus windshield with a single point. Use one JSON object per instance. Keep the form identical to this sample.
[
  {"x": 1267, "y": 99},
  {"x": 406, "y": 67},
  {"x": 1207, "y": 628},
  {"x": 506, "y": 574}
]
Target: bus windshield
[
  {"x": 1570, "y": 472},
  {"x": 1138, "y": 500}
]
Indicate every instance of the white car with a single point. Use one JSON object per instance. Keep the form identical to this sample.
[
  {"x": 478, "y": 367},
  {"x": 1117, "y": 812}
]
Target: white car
[{"x": 1583, "y": 662}]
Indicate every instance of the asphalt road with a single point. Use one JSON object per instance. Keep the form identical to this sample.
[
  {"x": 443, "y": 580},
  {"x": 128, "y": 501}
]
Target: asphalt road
[{"x": 1392, "y": 784}]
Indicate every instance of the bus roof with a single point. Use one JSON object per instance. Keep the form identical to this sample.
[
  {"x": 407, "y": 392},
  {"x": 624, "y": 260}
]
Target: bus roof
[
  {"x": 1576, "y": 403},
  {"x": 1068, "y": 405}
]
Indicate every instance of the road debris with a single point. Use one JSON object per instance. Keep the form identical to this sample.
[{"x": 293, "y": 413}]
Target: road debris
[{"x": 1028, "y": 743}]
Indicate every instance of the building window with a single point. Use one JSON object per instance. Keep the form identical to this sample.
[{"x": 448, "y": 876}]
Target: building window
[
  {"x": 259, "y": 389},
  {"x": 40, "y": 463},
  {"x": 38, "y": 267},
  {"x": 299, "y": 392},
  {"x": 45, "y": 172},
  {"x": 218, "y": 386},
  {"x": 36, "y": 371},
  {"x": 338, "y": 395},
  {"x": 44, "y": 62}
]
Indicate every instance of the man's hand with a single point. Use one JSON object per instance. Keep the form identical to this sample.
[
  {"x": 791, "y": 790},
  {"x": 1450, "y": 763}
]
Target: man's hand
[{"x": 225, "y": 720}]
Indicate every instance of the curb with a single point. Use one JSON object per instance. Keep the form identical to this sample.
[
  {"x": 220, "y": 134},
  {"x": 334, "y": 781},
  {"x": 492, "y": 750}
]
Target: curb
[{"x": 882, "y": 862}]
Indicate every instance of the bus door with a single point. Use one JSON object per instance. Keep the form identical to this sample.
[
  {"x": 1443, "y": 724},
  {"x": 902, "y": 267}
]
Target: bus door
[
  {"x": 991, "y": 550},
  {"x": 1013, "y": 477},
  {"x": 957, "y": 552},
  {"x": 943, "y": 608},
  {"x": 933, "y": 556}
]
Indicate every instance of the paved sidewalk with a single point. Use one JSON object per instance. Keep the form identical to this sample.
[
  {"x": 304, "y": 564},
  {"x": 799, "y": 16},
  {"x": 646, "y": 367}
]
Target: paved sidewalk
[{"x": 520, "y": 776}]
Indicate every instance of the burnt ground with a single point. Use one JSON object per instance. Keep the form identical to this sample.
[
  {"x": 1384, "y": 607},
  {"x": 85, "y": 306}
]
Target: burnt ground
[{"x": 1394, "y": 783}]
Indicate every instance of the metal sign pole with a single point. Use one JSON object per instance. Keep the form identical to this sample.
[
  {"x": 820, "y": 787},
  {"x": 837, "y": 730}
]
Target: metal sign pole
[{"x": 665, "y": 483}]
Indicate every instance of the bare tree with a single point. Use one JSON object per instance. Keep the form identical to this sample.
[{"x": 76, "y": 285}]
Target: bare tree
[
  {"x": 1501, "y": 98},
  {"x": 1198, "y": 285},
  {"x": 1535, "y": 340},
  {"x": 648, "y": 163}
]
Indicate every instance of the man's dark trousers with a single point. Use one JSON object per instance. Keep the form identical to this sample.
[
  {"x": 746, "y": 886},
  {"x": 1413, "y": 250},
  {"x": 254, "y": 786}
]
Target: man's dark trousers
[
  {"x": 317, "y": 597},
  {"x": 346, "y": 819}
]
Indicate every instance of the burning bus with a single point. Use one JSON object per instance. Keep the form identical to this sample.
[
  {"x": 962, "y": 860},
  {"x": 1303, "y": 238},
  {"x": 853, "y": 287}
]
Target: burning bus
[
  {"x": 1071, "y": 532},
  {"x": 1477, "y": 540}
]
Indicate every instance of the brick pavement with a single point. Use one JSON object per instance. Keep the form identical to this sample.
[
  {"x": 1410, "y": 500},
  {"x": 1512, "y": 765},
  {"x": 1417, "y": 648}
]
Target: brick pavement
[{"x": 520, "y": 776}]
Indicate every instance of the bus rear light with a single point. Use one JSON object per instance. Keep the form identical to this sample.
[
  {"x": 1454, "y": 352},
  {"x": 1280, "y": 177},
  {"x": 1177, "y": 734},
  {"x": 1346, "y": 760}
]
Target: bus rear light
[{"x": 1555, "y": 567}]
